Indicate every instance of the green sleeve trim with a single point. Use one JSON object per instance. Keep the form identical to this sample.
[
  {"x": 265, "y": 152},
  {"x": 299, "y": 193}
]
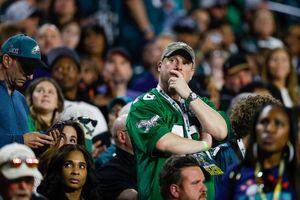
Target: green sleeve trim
[{"x": 31, "y": 124}]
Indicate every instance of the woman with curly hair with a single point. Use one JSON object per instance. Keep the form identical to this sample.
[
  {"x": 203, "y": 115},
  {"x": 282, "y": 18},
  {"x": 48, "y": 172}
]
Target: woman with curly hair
[
  {"x": 45, "y": 101},
  {"x": 70, "y": 175}
]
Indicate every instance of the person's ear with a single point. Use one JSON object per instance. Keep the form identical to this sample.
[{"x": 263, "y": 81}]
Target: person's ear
[
  {"x": 174, "y": 190},
  {"x": 121, "y": 136},
  {"x": 6, "y": 60},
  {"x": 159, "y": 65}
]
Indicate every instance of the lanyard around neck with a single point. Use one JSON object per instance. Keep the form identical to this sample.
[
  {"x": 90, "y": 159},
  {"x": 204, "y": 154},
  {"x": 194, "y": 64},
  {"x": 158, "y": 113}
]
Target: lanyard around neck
[
  {"x": 177, "y": 108},
  {"x": 241, "y": 147},
  {"x": 259, "y": 181}
]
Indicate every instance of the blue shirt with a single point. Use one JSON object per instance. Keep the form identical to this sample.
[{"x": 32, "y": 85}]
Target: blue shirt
[
  {"x": 243, "y": 186},
  {"x": 13, "y": 116}
]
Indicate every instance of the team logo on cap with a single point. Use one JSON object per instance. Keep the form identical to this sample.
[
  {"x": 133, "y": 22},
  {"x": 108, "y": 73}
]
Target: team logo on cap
[
  {"x": 35, "y": 50},
  {"x": 14, "y": 50}
]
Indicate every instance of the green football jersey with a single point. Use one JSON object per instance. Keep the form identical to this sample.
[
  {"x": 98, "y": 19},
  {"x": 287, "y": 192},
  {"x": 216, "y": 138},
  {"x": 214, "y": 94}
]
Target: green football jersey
[{"x": 151, "y": 116}]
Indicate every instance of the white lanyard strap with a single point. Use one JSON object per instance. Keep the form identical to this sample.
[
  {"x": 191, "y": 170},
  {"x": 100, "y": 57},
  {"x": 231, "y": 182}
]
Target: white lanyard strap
[
  {"x": 241, "y": 147},
  {"x": 177, "y": 108}
]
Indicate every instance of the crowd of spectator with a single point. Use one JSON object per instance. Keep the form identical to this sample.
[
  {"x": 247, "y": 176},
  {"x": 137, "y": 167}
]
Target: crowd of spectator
[{"x": 149, "y": 99}]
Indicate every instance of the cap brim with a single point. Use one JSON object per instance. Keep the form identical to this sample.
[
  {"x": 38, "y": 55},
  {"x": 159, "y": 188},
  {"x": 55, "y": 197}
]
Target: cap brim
[
  {"x": 183, "y": 52},
  {"x": 60, "y": 52},
  {"x": 238, "y": 68},
  {"x": 22, "y": 171},
  {"x": 120, "y": 51},
  {"x": 29, "y": 64}
]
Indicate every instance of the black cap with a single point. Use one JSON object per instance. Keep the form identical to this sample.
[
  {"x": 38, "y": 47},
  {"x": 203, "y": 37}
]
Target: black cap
[
  {"x": 59, "y": 52},
  {"x": 234, "y": 64},
  {"x": 118, "y": 50}
]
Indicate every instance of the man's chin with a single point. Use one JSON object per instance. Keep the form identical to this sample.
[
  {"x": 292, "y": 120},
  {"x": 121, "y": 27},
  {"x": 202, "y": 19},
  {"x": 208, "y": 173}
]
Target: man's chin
[
  {"x": 19, "y": 85},
  {"x": 24, "y": 196},
  {"x": 172, "y": 91}
]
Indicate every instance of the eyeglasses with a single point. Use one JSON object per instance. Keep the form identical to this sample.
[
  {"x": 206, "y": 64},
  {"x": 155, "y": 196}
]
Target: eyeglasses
[{"x": 17, "y": 162}]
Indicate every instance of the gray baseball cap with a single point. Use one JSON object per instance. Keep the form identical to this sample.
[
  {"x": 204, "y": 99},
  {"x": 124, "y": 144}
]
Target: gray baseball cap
[{"x": 179, "y": 47}]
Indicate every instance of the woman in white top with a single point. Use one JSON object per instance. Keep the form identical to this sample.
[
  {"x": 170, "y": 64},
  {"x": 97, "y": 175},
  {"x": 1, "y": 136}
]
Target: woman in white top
[{"x": 279, "y": 71}]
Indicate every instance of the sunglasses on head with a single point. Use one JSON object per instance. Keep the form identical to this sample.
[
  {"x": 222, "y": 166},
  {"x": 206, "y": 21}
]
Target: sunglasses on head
[{"x": 17, "y": 162}]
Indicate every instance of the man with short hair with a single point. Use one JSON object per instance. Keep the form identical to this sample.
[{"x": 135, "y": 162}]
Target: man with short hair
[
  {"x": 65, "y": 70},
  {"x": 182, "y": 178},
  {"x": 237, "y": 74},
  {"x": 117, "y": 177},
  {"x": 48, "y": 37},
  {"x": 19, "y": 56},
  {"x": 171, "y": 119},
  {"x": 18, "y": 169}
]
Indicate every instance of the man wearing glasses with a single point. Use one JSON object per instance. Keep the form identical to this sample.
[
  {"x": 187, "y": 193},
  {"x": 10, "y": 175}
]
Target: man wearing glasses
[
  {"x": 19, "y": 56},
  {"x": 18, "y": 169}
]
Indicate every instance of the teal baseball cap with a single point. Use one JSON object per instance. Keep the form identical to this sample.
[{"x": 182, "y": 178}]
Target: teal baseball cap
[{"x": 26, "y": 50}]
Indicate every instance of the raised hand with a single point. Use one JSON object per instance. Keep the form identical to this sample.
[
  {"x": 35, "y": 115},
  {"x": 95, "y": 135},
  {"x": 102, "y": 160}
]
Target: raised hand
[
  {"x": 98, "y": 148},
  {"x": 35, "y": 140},
  {"x": 179, "y": 84},
  {"x": 55, "y": 134}
]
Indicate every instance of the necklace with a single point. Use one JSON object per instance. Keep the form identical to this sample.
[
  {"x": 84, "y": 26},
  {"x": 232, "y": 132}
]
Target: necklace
[{"x": 259, "y": 180}]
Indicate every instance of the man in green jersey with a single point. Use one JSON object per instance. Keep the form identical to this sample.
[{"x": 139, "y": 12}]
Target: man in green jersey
[{"x": 171, "y": 119}]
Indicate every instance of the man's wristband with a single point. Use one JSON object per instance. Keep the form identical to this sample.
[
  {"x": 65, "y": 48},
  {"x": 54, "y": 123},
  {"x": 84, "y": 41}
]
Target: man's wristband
[
  {"x": 205, "y": 146},
  {"x": 192, "y": 96}
]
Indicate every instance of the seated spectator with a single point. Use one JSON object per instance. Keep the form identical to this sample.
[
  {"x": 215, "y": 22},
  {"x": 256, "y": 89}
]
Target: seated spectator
[
  {"x": 117, "y": 178},
  {"x": 8, "y": 29},
  {"x": 114, "y": 107},
  {"x": 48, "y": 37},
  {"x": 90, "y": 78},
  {"x": 148, "y": 77},
  {"x": 93, "y": 43},
  {"x": 65, "y": 69},
  {"x": 70, "y": 33},
  {"x": 25, "y": 15},
  {"x": 70, "y": 175},
  {"x": 292, "y": 39},
  {"x": 181, "y": 178},
  {"x": 45, "y": 101},
  {"x": 62, "y": 12},
  {"x": 262, "y": 88},
  {"x": 18, "y": 169},
  {"x": 116, "y": 75},
  {"x": 279, "y": 71},
  {"x": 65, "y": 132},
  {"x": 89, "y": 116},
  {"x": 269, "y": 167},
  {"x": 236, "y": 75}
]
